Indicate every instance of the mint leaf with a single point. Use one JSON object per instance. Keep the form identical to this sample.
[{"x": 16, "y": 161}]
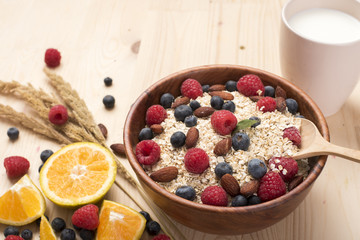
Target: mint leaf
[{"x": 243, "y": 124}]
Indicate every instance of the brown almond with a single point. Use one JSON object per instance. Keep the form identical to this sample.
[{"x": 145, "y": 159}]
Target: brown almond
[
  {"x": 280, "y": 92},
  {"x": 103, "y": 130},
  {"x": 223, "y": 95},
  {"x": 249, "y": 188},
  {"x": 230, "y": 185},
  {"x": 118, "y": 148},
  {"x": 295, "y": 182},
  {"x": 165, "y": 174},
  {"x": 156, "y": 128},
  {"x": 223, "y": 147},
  {"x": 217, "y": 87},
  {"x": 192, "y": 137},
  {"x": 280, "y": 104},
  {"x": 255, "y": 98},
  {"x": 180, "y": 101},
  {"x": 204, "y": 112}
]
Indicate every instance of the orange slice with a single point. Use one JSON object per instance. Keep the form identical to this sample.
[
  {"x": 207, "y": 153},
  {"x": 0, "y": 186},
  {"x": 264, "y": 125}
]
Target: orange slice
[
  {"x": 23, "y": 203},
  {"x": 78, "y": 174},
  {"x": 119, "y": 222},
  {"x": 46, "y": 231}
]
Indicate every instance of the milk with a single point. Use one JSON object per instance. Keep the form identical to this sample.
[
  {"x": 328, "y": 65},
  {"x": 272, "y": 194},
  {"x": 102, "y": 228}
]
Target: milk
[{"x": 326, "y": 25}]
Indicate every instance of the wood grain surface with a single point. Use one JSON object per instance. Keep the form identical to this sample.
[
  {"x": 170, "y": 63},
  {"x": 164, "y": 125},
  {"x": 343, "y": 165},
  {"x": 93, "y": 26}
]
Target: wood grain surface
[{"x": 138, "y": 42}]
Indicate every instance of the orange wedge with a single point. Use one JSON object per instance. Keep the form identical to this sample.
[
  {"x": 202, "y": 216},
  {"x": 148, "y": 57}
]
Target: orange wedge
[
  {"x": 23, "y": 203},
  {"x": 78, "y": 174},
  {"x": 46, "y": 231},
  {"x": 119, "y": 222}
]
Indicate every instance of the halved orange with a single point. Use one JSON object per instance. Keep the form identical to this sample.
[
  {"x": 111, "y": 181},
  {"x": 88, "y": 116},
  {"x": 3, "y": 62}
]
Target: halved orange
[
  {"x": 23, "y": 203},
  {"x": 46, "y": 231},
  {"x": 78, "y": 174},
  {"x": 119, "y": 222}
]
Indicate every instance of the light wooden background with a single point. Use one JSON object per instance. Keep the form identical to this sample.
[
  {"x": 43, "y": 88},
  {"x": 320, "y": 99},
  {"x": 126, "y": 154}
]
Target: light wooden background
[{"x": 136, "y": 42}]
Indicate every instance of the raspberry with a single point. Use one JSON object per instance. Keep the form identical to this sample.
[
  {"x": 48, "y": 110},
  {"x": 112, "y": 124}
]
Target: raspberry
[
  {"x": 86, "y": 217},
  {"x": 214, "y": 195},
  {"x": 52, "y": 57},
  {"x": 58, "y": 115},
  {"x": 147, "y": 152},
  {"x": 16, "y": 166},
  {"x": 293, "y": 134},
  {"x": 223, "y": 122},
  {"x": 13, "y": 237},
  {"x": 271, "y": 186},
  {"x": 155, "y": 115},
  {"x": 266, "y": 104},
  {"x": 249, "y": 85},
  {"x": 196, "y": 160},
  {"x": 287, "y": 167},
  {"x": 161, "y": 237},
  {"x": 191, "y": 88}
]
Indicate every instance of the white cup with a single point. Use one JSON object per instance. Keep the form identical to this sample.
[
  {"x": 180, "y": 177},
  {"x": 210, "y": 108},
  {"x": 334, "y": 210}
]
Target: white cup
[{"x": 328, "y": 72}]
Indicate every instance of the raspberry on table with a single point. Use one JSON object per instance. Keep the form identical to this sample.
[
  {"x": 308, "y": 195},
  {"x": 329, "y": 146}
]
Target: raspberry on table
[
  {"x": 16, "y": 166},
  {"x": 214, "y": 195},
  {"x": 223, "y": 122},
  {"x": 52, "y": 57},
  {"x": 58, "y": 115},
  {"x": 161, "y": 237},
  {"x": 147, "y": 152},
  {"x": 250, "y": 85},
  {"x": 155, "y": 114},
  {"x": 266, "y": 104},
  {"x": 287, "y": 167},
  {"x": 293, "y": 134},
  {"x": 13, "y": 237},
  {"x": 271, "y": 186},
  {"x": 191, "y": 88},
  {"x": 196, "y": 160},
  {"x": 86, "y": 217}
]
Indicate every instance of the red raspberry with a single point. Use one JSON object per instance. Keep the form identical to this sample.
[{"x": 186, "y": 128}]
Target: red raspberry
[
  {"x": 214, "y": 195},
  {"x": 58, "y": 115},
  {"x": 293, "y": 134},
  {"x": 191, "y": 88},
  {"x": 52, "y": 57},
  {"x": 287, "y": 167},
  {"x": 161, "y": 237},
  {"x": 147, "y": 152},
  {"x": 196, "y": 160},
  {"x": 86, "y": 217},
  {"x": 249, "y": 85},
  {"x": 16, "y": 166},
  {"x": 13, "y": 237},
  {"x": 223, "y": 122},
  {"x": 155, "y": 114},
  {"x": 271, "y": 186},
  {"x": 266, "y": 104}
]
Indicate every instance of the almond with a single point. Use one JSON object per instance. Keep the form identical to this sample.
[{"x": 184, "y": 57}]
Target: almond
[
  {"x": 103, "y": 130},
  {"x": 165, "y": 174},
  {"x": 249, "y": 188},
  {"x": 280, "y": 92},
  {"x": 118, "y": 148},
  {"x": 255, "y": 98},
  {"x": 223, "y": 95},
  {"x": 295, "y": 182},
  {"x": 180, "y": 101},
  {"x": 230, "y": 185},
  {"x": 156, "y": 128},
  {"x": 280, "y": 104},
  {"x": 223, "y": 147},
  {"x": 204, "y": 112},
  {"x": 192, "y": 137},
  {"x": 217, "y": 87}
]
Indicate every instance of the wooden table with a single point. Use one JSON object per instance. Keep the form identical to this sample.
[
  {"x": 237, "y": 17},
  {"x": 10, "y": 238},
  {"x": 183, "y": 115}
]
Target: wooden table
[{"x": 136, "y": 43}]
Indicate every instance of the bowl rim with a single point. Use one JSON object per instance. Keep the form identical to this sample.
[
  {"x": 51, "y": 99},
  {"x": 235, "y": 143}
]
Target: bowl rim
[{"x": 145, "y": 179}]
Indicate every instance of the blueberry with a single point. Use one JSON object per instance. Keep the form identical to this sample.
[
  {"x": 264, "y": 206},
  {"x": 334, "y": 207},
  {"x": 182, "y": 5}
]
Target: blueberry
[
  {"x": 13, "y": 133},
  {"x": 166, "y": 100},
  {"x": 292, "y": 105},
  {"x": 255, "y": 124},
  {"x": 86, "y": 234},
  {"x": 240, "y": 141},
  {"x": 76, "y": 228},
  {"x": 256, "y": 168},
  {"x": 40, "y": 167},
  {"x": 108, "y": 81},
  {"x": 146, "y": 215},
  {"x": 229, "y": 105},
  {"x": 216, "y": 102},
  {"x": 146, "y": 134},
  {"x": 186, "y": 192},
  {"x": 181, "y": 112},
  {"x": 190, "y": 121},
  {"x": 252, "y": 200},
  {"x": 269, "y": 91},
  {"x": 26, "y": 234},
  {"x": 239, "y": 201},
  {"x": 109, "y": 101},
  {"x": 231, "y": 86},
  {"x": 11, "y": 230},
  {"x": 44, "y": 155},
  {"x": 67, "y": 234},
  {"x": 194, "y": 105},
  {"x": 205, "y": 88},
  {"x": 38, "y": 221},
  {"x": 222, "y": 169},
  {"x": 178, "y": 139},
  {"x": 58, "y": 224},
  {"x": 153, "y": 227}
]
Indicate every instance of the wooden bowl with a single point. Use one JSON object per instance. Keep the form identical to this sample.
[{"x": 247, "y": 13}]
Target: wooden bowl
[{"x": 213, "y": 219}]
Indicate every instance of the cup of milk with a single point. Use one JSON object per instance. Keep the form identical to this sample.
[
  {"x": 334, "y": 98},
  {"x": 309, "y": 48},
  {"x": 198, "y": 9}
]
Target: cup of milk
[{"x": 320, "y": 49}]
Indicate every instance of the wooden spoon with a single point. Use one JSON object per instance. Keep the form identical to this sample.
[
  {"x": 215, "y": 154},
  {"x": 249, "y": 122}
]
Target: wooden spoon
[{"x": 313, "y": 144}]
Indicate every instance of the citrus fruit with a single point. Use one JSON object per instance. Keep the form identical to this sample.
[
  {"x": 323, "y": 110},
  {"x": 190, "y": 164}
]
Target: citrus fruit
[
  {"x": 119, "y": 222},
  {"x": 23, "y": 203},
  {"x": 78, "y": 174},
  {"x": 46, "y": 231}
]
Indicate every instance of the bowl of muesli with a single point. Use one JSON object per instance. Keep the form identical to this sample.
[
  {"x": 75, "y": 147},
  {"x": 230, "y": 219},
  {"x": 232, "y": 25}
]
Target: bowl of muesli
[{"x": 212, "y": 146}]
